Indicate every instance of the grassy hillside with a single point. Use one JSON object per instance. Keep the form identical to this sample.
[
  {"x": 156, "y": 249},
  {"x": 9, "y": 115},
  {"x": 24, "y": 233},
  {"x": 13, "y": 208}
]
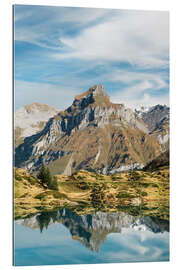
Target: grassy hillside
[{"x": 136, "y": 192}]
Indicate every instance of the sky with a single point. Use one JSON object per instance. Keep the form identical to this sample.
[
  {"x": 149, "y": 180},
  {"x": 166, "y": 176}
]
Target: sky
[{"x": 60, "y": 52}]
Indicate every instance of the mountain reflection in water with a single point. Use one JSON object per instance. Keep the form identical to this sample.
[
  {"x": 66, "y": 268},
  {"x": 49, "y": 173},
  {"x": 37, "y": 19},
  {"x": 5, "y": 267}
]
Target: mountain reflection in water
[{"x": 92, "y": 229}]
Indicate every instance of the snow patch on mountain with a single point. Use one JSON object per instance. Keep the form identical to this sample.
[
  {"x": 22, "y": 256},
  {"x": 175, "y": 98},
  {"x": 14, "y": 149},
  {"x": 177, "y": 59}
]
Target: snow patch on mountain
[{"x": 31, "y": 117}]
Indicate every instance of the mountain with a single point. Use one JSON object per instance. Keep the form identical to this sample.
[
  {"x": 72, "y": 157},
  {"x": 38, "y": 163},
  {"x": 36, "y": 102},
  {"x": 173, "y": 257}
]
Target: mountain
[
  {"x": 92, "y": 134},
  {"x": 143, "y": 109},
  {"x": 157, "y": 120},
  {"x": 153, "y": 115},
  {"x": 31, "y": 119},
  {"x": 161, "y": 160},
  {"x": 161, "y": 132}
]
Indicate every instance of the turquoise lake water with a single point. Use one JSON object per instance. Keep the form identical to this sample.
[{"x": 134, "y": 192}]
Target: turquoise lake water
[{"x": 63, "y": 237}]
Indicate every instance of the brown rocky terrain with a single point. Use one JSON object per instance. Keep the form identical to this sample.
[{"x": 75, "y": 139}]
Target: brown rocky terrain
[{"x": 92, "y": 134}]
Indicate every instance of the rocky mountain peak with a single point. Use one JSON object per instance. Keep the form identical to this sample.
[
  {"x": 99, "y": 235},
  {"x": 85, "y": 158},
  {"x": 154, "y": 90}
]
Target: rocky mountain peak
[
  {"x": 157, "y": 121},
  {"x": 96, "y": 90},
  {"x": 36, "y": 107},
  {"x": 155, "y": 114},
  {"x": 95, "y": 95}
]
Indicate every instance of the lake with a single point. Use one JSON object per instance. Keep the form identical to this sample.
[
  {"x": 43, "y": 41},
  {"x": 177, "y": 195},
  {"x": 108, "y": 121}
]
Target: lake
[{"x": 64, "y": 237}]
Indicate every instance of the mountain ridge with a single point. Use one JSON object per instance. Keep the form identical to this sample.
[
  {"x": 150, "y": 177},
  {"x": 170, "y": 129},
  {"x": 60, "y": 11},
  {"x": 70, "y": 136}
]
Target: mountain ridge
[
  {"x": 30, "y": 119},
  {"x": 92, "y": 134}
]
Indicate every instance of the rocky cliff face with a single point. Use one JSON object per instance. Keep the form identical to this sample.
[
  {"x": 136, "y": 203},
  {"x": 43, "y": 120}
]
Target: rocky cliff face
[
  {"x": 92, "y": 229},
  {"x": 92, "y": 134},
  {"x": 161, "y": 160},
  {"x": 161, "y": 132},
  {"x": 30, "y": 119},
  {"x": 157, "y": 120}
]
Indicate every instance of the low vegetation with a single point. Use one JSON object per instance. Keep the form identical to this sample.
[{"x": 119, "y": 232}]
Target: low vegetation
[{"x": 138, "y": 192}]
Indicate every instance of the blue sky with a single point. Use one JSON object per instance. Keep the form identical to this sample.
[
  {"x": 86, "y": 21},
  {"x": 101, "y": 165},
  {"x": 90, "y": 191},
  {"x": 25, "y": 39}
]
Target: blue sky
[{"x": 60, "y": 52}]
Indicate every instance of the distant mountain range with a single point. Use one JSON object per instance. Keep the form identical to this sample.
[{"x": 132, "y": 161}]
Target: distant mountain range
[
  {"x": 157, "y": 120},
  {"x": 30, "y": 119},
  {"x": 92, "y": 134}
]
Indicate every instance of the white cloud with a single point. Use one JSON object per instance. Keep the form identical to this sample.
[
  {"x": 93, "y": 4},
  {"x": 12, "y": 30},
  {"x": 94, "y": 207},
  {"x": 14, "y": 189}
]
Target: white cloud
[
  {"x": 29, "y": 92},
  {"x": 134, "y": 98},
  {"x": 157, "y": 79},
  {"x": 79, "y": 15},
  {"x": 51, "y": 19},
  {"x": 138, "y": 91},
  {"x": 139, "y": 37}
]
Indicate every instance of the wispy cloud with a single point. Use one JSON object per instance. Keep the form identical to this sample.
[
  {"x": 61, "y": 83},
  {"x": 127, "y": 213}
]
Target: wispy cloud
[
  {"x": 138, "y": 95},
  {"x": 44, "y": 26},
  {"x": 138, "y": 37},
  {"x": 141, "y": 88},
  {"x": 67, "y": 50},
  {"x": 158, "y": 79},
  {"x": 29, "y": 92}
]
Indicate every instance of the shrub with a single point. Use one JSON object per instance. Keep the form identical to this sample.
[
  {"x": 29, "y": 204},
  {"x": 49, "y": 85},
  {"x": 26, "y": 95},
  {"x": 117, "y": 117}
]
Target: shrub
[
  {"x": 17, "y": 177},
  {"x": 143, "y": 193},
  {"x": 30, "y": 179},
  {"x": 155, "y": 185},
  {"x": 46, "y": 179},
  {"x": 133, "y": 176},
  {"x": 97, "y": 196},
  {"x": 40, "y": 196},
  {"x": 53, "y": 184},
  {"x": 122, "y": 195}
]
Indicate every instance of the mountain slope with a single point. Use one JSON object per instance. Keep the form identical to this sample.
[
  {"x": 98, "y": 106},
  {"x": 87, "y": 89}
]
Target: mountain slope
[
  {"x": 92, "y": 134},
  {"x": 31, "y": 119},
  {"x": 153, "y": 115},
  {"x": 157, "y": 120},
  {"x": 161, "y": 160},
  {"x": 161, "y": 132}
]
